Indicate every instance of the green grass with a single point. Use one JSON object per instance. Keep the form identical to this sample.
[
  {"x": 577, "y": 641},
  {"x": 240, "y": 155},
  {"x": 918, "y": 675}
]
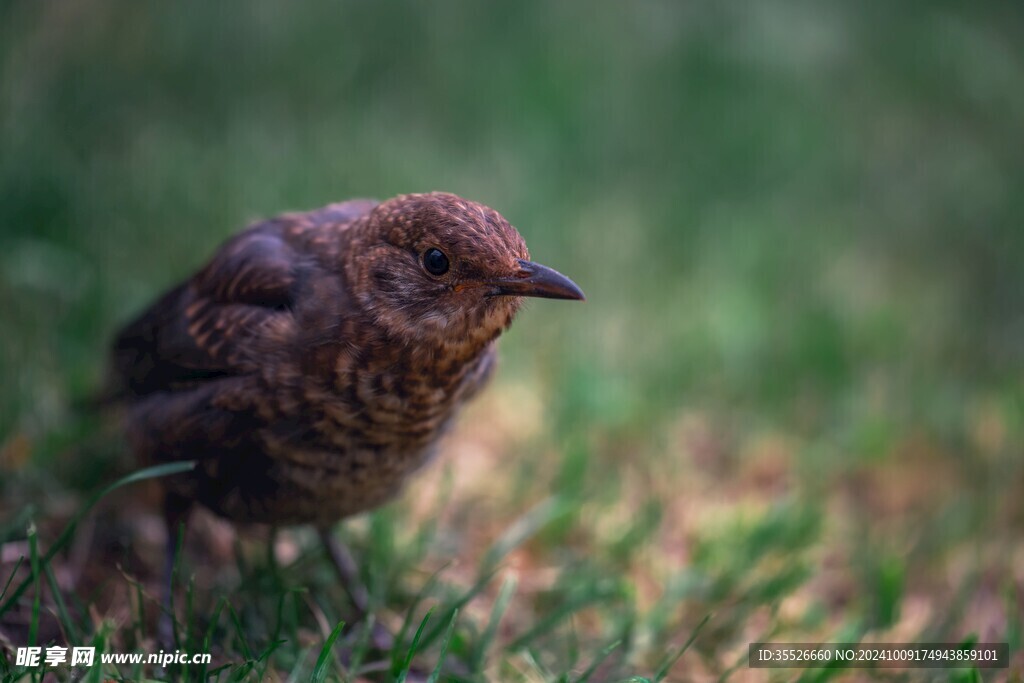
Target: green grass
[{"x": 791, "y": 408}]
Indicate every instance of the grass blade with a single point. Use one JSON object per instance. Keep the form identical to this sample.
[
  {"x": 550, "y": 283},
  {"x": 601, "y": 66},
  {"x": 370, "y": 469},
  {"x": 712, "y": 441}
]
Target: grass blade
[
  {"x": 208, "y": 638},
  {"x": 17, "y": 565},
  {"x": 239, "y": 633},
  {"x": 508, "y": 589},
  {"x": 62, "y": 610},
  {"x": 601, "y": 656},
  {"x": 436, "y": 674},
  {"x": 464, "y": 599},
  {"x": 523, "y": 528},
  {"x": 65, "y": 536},
  {"x": 671, "y": 661},
  {"x": 556, "y": 617},
  {"x": 33, "y": 554},
  {"x": 413, "y": 649},
  {"x": 428, "y": 586},
  {"x": 325, "y": 659},
  {"x": 362, "y": 643}
]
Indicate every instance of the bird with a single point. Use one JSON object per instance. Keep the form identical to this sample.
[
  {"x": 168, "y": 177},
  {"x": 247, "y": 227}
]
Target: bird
[{"x": 315, "y": 362}]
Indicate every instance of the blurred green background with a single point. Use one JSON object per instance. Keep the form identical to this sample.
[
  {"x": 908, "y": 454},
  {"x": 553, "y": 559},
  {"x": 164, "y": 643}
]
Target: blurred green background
[{"x": 795, "y": 221}]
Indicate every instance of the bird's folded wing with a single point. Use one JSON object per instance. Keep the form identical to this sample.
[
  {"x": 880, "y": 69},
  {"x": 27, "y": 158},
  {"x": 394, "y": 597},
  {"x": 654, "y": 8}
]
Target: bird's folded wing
[
  {"x": 206, "y": 327},
  {"x": 225, "y": 319}
]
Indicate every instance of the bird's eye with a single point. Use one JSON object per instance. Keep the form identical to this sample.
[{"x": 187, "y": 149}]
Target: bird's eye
[{"x": 435, "y": 261}]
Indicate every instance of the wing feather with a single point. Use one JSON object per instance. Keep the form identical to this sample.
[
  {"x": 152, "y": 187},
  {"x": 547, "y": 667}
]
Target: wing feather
[{"x": 221, "y": 321}]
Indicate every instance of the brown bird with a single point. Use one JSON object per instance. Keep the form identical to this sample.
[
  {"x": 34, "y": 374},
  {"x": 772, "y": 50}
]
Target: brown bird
[{"x": 314, "y": 363}]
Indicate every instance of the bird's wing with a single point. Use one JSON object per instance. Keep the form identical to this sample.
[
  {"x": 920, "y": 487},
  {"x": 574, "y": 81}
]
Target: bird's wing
[
  {"x": 201, "y": 329},
  {"x": 224, "y": 319}
]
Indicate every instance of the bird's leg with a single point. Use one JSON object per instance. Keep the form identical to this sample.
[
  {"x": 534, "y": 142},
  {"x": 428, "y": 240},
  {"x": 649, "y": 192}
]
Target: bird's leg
[
  {"x": 176, "y": 511},
  {"x": 348, "y": 574}
]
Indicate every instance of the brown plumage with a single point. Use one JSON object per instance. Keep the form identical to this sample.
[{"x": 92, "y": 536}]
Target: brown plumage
[{"x": 312, "y": 365}]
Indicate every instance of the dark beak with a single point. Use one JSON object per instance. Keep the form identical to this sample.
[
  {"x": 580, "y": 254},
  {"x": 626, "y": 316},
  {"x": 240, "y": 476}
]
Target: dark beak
[{"x": 533, "y": 279}]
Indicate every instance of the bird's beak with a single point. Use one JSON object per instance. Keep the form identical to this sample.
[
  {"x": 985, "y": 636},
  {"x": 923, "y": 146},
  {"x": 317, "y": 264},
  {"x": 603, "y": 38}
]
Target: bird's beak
[{"x": 533, "y": 279}]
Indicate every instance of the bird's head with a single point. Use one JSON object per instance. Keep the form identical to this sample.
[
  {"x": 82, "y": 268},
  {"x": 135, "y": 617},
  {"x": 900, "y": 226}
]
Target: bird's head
[{"x": 437, "y": 267}]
